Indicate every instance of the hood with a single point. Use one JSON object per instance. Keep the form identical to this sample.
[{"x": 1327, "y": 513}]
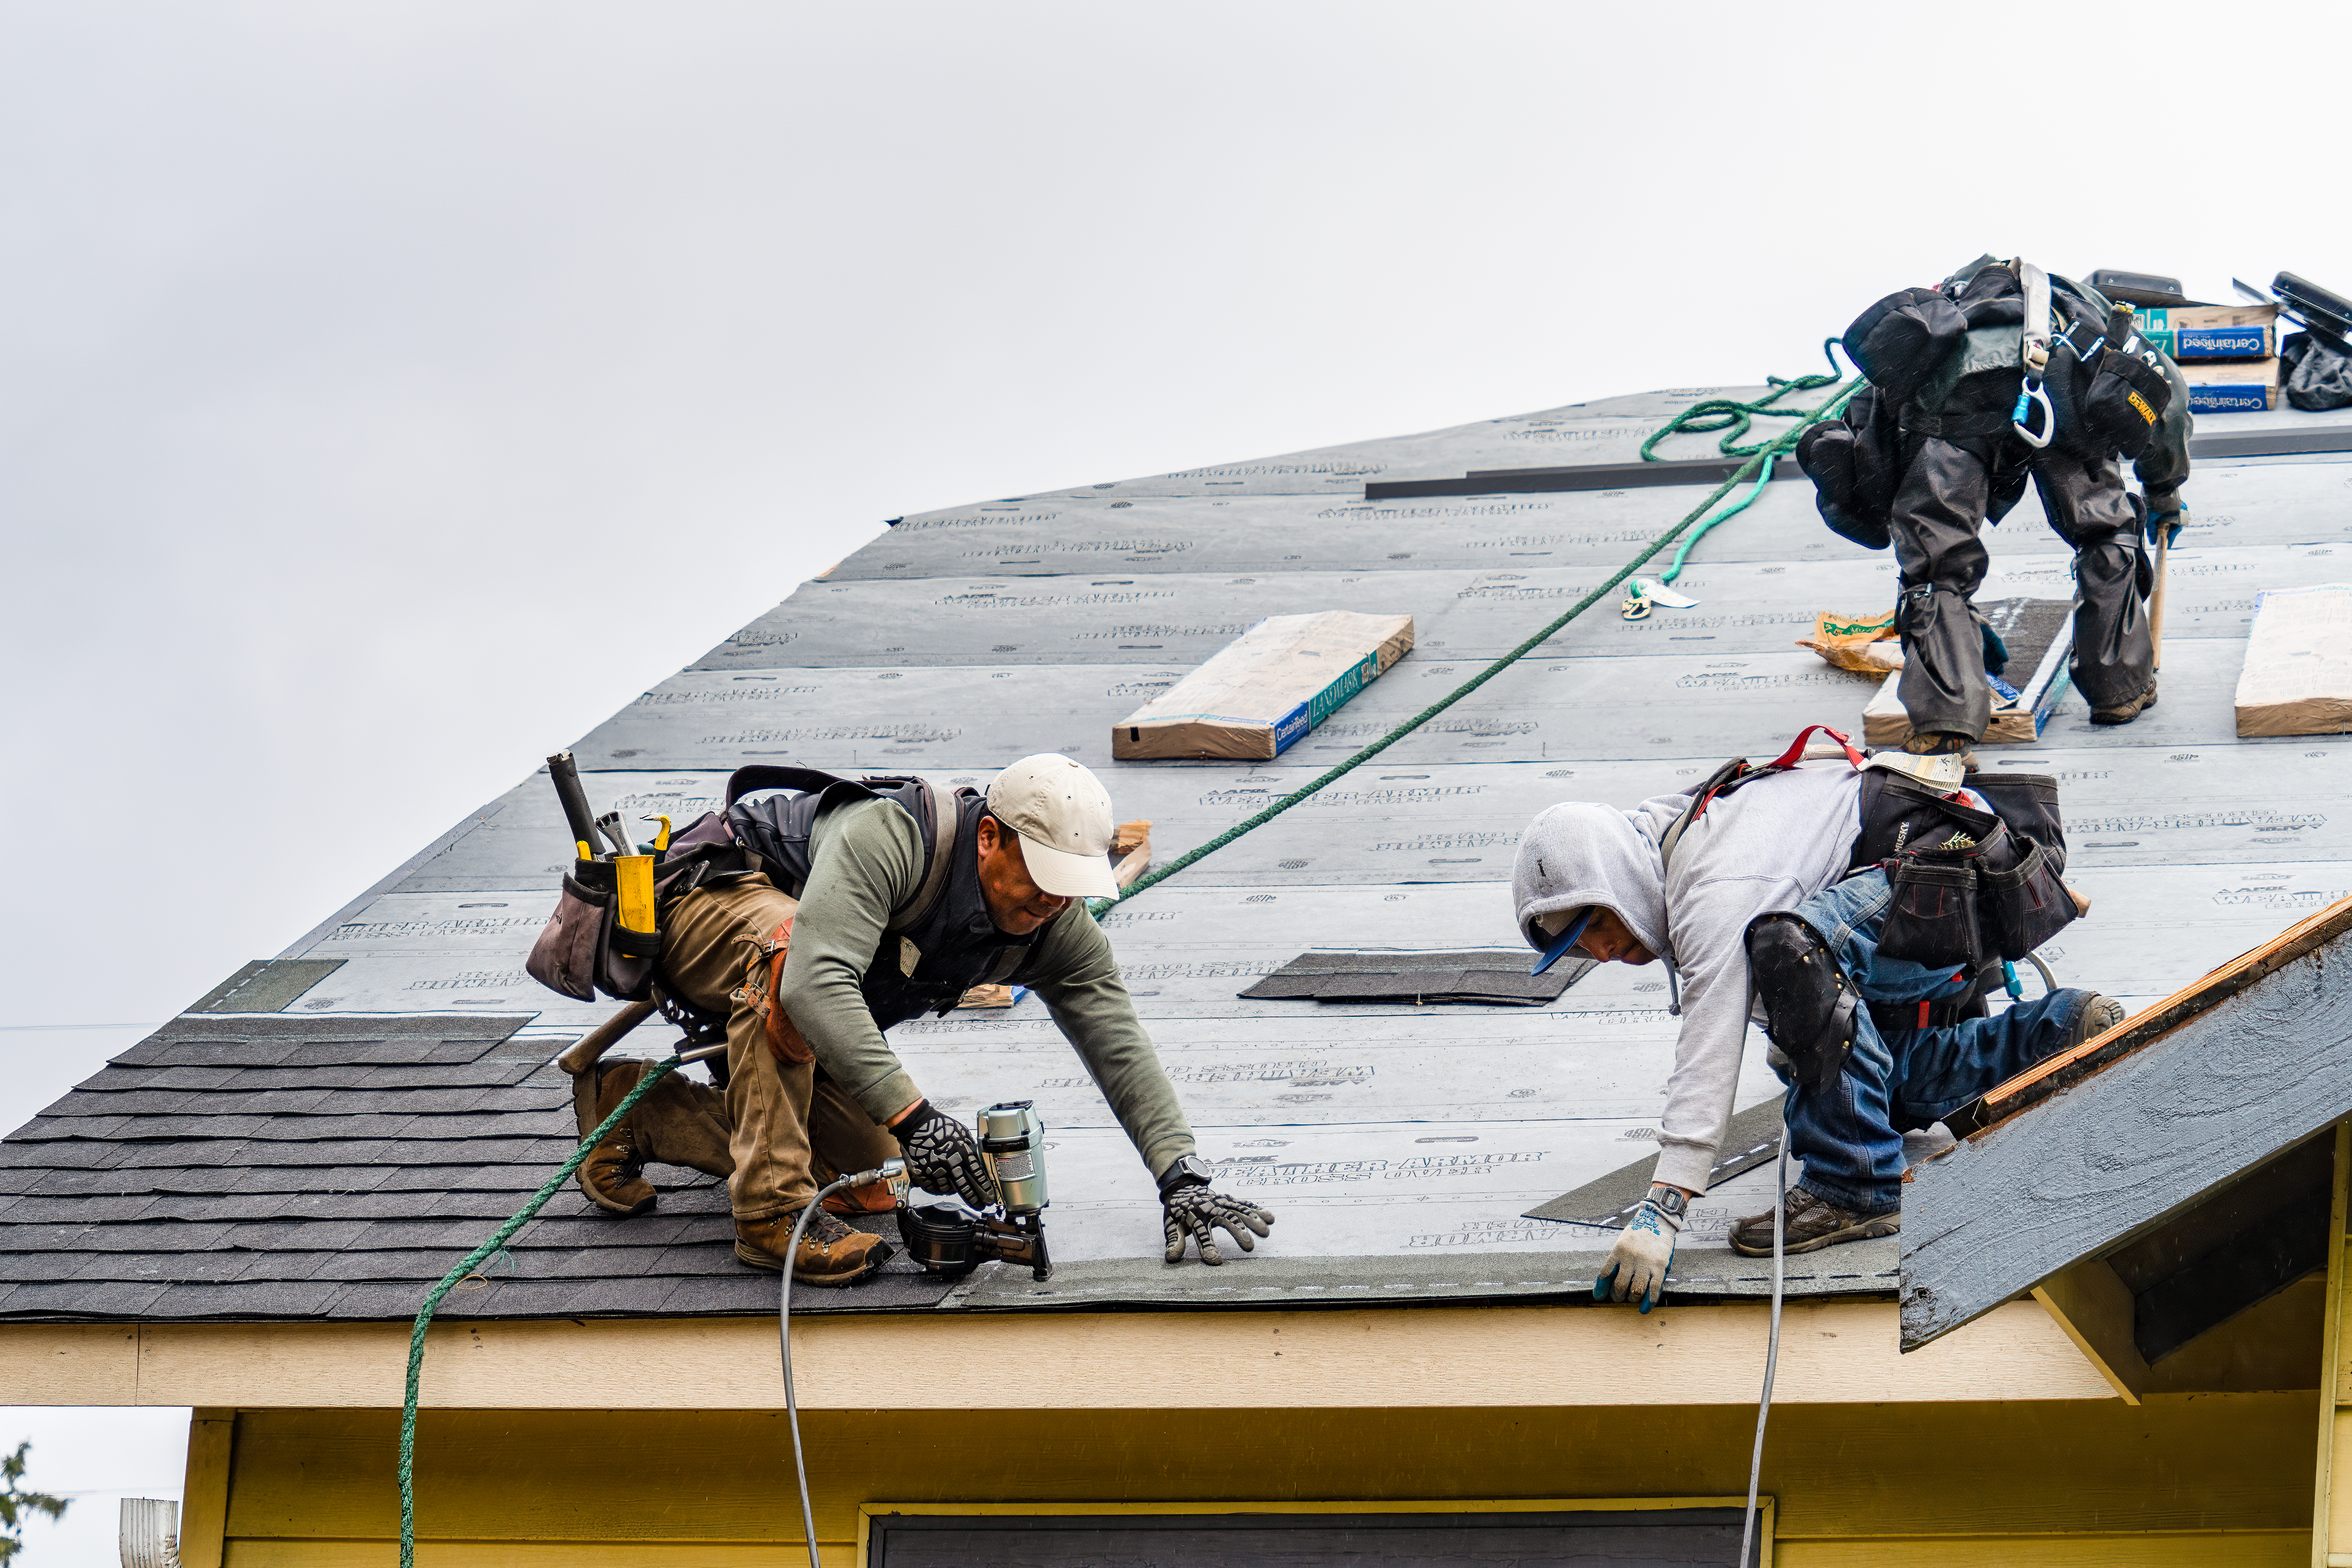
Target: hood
[{"x": 1577, "y": 854}]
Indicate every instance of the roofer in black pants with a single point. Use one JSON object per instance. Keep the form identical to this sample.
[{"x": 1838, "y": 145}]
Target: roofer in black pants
[{"x": 2002, "y": 376}]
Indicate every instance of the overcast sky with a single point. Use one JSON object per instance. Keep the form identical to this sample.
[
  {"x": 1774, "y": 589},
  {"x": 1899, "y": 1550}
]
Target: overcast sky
[{"x": 388, "y": 392}]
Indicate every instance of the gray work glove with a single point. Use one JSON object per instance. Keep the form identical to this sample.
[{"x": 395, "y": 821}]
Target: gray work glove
[
  {"x": 943, "y": 1157},
  {"x": 1196, "y": 1211},
  {"x": 1637, "y": 1265}
]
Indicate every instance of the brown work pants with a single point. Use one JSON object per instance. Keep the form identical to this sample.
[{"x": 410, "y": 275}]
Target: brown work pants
[{"x": 789, "y": 1126}]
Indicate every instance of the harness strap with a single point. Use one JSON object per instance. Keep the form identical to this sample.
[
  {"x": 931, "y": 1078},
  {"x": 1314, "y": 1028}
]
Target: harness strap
[
  {"x": 1735, "y": 772},
  {"x": 945, "y": 817},
  {"x": 1796, "y": 752}
]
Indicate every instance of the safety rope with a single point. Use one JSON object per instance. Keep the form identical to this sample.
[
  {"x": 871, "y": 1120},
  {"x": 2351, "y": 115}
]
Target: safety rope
[
  {"x": 1733, "y": 417},
  {"x": 1739, "y": 416},
  {"x": 1759, "y": 467},
  {"x": 497, "y": 1242}
]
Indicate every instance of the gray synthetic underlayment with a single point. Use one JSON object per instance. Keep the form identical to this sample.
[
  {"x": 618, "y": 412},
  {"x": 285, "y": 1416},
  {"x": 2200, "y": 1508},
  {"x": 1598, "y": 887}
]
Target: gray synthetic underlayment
[
  {"x": 1460, "y": 822},
  {"x": 246, "y": 1174},
  {"x": 1183, "y": 618},
  {"x": 1097, "y": 535},
  {"x": 1558, "y": 710},
  {"x": 1189, "y": 947}
]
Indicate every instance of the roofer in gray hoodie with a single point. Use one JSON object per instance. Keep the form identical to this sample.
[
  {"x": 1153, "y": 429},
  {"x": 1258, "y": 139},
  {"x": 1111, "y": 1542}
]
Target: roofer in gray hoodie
[{"x": 1591, "y": 877}]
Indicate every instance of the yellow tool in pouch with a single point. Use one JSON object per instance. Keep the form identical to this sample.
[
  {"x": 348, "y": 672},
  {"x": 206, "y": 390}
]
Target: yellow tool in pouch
[{"x": 635, "y": 876}]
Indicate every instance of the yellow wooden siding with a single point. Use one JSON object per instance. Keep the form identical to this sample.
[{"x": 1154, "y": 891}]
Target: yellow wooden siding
[{"x": 2209, "y": 1480}]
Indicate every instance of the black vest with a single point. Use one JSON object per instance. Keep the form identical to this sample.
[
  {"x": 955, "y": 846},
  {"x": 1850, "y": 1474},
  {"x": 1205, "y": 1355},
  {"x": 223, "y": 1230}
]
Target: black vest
[
  {"x": 953, "y": 946},
  {"x": 932, "y": 952}
]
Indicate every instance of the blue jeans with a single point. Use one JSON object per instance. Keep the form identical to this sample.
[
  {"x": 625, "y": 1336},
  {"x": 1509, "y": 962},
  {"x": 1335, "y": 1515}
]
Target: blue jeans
[{"x": 1851, "y": 1137}]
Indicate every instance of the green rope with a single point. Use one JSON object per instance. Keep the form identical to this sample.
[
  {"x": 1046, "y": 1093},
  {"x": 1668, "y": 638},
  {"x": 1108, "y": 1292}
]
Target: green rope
[
  {"x": 1759, "y": 467},
  {"x": 495, "y": 1244},
  {"x": 1733, "y": 417}
]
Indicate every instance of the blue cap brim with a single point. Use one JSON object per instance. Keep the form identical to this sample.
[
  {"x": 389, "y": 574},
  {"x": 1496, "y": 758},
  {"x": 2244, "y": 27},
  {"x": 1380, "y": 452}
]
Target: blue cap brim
[{"x": 1566, "y": 939}]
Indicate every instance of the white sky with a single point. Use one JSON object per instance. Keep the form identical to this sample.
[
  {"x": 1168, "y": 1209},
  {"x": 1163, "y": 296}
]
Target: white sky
[{"x": 392, "y": 392}]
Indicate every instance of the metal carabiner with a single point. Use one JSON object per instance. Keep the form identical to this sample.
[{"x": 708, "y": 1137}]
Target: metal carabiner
[{"x": 2028, "y": 392}]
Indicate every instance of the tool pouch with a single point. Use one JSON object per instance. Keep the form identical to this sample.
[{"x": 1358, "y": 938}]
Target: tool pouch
[
  {"x": 583, "y": 948},
  {"x": 1902, "y": 341},
  {"x": 2023, "y": 904},
  {"x": 1933, "y": 920},
  {"x": 2110, "y": 404},
  {"x": 1852, "y": 462}
]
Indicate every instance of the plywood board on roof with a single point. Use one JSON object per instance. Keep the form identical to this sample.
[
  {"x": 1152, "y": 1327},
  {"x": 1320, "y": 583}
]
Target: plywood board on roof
[
  {"x": 1267, "y": 690},
  {"x": 2297, "y": 679}
]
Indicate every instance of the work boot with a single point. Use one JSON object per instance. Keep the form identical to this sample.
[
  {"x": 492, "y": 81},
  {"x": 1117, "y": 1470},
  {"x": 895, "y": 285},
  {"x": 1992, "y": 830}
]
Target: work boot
[
  {"x": 1813, "y": 1223},
  {"x": 2126, "y": 711},
  {"x": 613, "y": 1174},
  {"x": 678, "y": 1122},
  {"x": 1942, "y": 743},
  {"x": 2099, "y": 1014},
  {"x": 831, "y": 1253}
]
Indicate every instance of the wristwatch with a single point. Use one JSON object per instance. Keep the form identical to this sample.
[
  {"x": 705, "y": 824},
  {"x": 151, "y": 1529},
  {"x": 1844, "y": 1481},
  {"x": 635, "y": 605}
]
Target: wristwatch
[
  {"x": 1190, "y": 1171},
  {"x": 1669, "y": 1200}
]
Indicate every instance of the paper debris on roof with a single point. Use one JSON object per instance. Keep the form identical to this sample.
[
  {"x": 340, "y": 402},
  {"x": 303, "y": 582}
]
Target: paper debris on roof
[
  {"x": 2040, "y": 637},
  {"x": 1266, "y": 689},
  {"x": 2297, "y": 679},
  {"x": 1867, "y": 644}
]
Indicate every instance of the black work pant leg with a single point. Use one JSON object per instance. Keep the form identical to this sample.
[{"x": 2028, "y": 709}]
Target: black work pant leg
[
  {"x": 2089, "y": 507},
  {"x": 1939, "y": 512}
]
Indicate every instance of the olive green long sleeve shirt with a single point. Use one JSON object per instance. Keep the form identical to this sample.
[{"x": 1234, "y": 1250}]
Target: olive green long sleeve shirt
[{"x": 865, "y": 860}]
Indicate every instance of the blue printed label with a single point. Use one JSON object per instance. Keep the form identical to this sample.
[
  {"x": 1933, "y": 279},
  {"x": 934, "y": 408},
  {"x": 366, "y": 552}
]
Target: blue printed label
[
  {"x": 2228, "y": 399},
  {"x": 2220, "y": 342},
  {"x": 1293, "y": 726}
]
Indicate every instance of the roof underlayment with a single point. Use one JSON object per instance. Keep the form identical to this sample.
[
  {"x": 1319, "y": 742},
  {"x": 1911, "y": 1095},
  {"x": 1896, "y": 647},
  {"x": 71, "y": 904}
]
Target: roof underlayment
[{"x": 323, "y": 1141}]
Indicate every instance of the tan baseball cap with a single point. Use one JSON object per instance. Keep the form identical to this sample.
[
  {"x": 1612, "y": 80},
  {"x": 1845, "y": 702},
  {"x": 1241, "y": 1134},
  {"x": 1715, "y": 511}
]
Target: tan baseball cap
[{"x": 1063, "y": 815}]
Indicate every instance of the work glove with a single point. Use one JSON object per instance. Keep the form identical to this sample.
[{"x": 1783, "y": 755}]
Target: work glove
[
  {"x": 1637, "y": 1265},
  {"x": 943, "y": 1157},
  {"x": 1197, "y": 1211},
  {"x": 2166, "y": 515}
]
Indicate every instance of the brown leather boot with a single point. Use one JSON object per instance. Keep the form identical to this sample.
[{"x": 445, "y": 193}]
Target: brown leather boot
[
  {"x": 678, "y": 1122},
  {"x": 613, "y": 1174},
  {"x": 831, "y": 1253},
  {"x": 2131, "y": 707}
]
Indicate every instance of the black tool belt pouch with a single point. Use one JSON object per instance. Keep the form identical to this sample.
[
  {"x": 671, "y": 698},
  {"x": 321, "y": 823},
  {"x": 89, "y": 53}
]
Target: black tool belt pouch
[
  {"x": 2124, "y": 402},
  {"x": 1932, "y": 920}
]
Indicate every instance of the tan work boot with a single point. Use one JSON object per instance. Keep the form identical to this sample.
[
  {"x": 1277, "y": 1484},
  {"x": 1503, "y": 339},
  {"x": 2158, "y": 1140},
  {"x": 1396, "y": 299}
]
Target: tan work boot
[
  {"x": 613, "y": 1174},
  {"x": 1813, "y": 1223},
  {"x": 2124, "y": 713},
  {"x": 831, "y": 1253},
  {"x": 678, "y": 1122},
  {"x": 2099, "y": 1014}
]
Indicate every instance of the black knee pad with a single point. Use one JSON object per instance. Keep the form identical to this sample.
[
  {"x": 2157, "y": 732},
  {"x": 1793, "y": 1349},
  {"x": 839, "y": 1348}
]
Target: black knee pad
[{"x": 1809, "y": 1005}]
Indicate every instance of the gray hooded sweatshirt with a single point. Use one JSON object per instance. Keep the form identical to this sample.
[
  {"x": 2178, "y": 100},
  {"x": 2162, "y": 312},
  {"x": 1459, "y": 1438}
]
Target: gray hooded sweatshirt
[{"x": 1770, "y": 845}]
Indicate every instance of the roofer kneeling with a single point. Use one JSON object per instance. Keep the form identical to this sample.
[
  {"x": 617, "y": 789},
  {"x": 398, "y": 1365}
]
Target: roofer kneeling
[
  {"x": 1782, "y": 902},
  {"x": 885, "y": 929}
]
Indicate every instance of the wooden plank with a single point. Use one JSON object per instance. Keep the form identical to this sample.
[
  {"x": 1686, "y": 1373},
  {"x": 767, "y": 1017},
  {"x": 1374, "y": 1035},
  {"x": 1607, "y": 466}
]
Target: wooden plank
[
  {"x": 2239, "y": 1081},
  {"x": 1483, "y": 1357},
  {"x": 2143, "y": 1030},
  {"x": 2095, "y": 1308},
  {"x": 204, "y": 1500}
]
